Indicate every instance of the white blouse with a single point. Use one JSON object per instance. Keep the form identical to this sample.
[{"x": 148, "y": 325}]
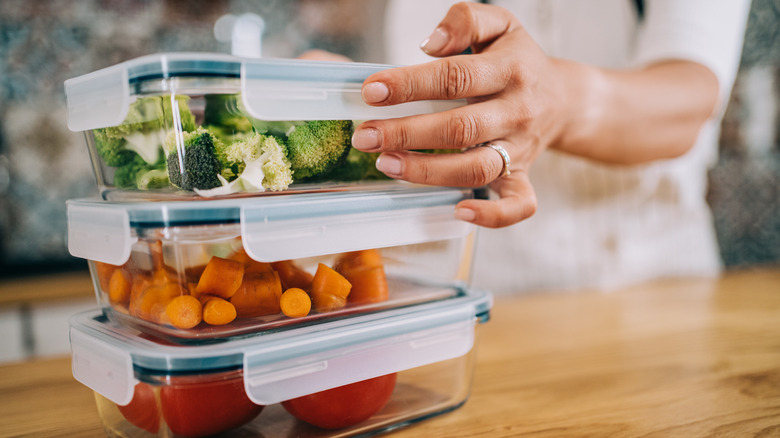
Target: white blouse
[{"x": 596, "y": 225}]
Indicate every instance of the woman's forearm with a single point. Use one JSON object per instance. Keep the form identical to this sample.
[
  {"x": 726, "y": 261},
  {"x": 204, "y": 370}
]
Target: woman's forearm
[{"x": 636, "y": 116}]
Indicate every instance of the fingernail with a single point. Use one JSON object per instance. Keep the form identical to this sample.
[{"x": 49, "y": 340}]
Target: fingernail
[
  {"x": 436, "y": 41},
  {"x": 375, "y": 92},
  {"x": 465, "y": 214},
  {"x": 390, "y": 165},
  {"x": 367, "y": 139}
]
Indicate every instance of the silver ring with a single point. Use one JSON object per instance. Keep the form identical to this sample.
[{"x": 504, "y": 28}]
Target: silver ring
[{"x": 504, "y": 156}]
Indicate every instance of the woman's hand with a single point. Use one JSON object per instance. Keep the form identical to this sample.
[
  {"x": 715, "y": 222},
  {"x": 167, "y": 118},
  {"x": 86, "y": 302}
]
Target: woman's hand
[
  {"x": 322, "y": 55},
  {"x": 516, "y": 98},
  {"x": 524, "y": 101}
]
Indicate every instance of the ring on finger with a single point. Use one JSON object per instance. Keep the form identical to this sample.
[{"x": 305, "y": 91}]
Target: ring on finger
[{"x": 504, "y": 156}]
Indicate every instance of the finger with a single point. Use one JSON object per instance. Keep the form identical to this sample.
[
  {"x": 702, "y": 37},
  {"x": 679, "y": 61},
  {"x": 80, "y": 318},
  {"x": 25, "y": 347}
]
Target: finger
[
  {"x": 468, "y": 24},
  {"x": 517, "y": 202},
  {"x": 451, "y": 78},
  {"x": 473, "y": 168},
  {"x": 322, "y": 55},
  {"x": 454, "y": 129}
]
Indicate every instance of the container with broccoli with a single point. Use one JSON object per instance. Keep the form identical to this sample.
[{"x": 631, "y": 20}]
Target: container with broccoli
[
  {"x": 203, "y": 125},
  {"x": 165, "y": 146}
]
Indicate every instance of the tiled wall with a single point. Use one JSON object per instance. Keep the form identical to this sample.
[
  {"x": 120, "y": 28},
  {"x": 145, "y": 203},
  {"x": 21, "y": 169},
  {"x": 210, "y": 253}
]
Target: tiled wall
[
  {"x": 745, "y": 184},
  {"x": 42, "y": 163}
]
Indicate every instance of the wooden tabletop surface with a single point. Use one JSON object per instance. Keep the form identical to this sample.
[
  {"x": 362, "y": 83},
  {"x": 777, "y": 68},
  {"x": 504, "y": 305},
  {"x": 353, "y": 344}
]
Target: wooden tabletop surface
[{"x": 673, "y": 358}]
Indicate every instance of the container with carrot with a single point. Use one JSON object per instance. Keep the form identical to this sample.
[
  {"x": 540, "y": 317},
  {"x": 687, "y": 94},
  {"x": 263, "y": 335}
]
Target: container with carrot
[{"x": 228, "y": 289}]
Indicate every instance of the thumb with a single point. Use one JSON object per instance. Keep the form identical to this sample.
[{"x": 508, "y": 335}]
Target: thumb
[{"x": 467, "y": 25}]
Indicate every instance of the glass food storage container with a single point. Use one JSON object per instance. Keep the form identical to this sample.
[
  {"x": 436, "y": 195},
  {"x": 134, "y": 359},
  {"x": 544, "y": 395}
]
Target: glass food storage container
[
  {"x": 201, "y": 125},
  {"x": 357, "y": 376},
  {"x": 190, "y": 270}
]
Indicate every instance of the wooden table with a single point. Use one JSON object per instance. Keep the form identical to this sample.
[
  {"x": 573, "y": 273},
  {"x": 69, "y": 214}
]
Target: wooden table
[{"x": 674, "y": 358}]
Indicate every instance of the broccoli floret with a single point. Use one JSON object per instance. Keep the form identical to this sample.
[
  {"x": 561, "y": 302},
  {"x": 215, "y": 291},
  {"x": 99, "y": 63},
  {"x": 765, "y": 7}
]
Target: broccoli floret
[
  {"x": 317, "y": 146},
  {"x": 125, "y": 175},
  {"x": 276, "y": 128},
  {"x": 186, "y": 118},
  {"x": 143, "y": 130},
  {"x": 265, "y": 150},
  {"x": 195, "y": 163},
  {"x": 138, "y": 174},
  {"x": 224, "y": 119},
  {"x": 152, "y": 179},
  {"x": 112, "y": 149},
  {"x": 146, "y": 144},
  {"x": 358, "y": 166},
  {"x": 260, "y": 163}
]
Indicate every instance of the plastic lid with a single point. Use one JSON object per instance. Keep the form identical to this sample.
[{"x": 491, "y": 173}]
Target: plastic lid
[
  {"x": 272, "y": 89},
  {"x": 281, "y": 365},
  {"x": 279, "y": 227}
]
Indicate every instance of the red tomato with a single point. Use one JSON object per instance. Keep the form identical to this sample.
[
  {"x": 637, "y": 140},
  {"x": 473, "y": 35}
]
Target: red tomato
[
  {"x": 200, "y": 407},
  {"x": 142, "y": 409},
  {"x": 345, "y": 405}
]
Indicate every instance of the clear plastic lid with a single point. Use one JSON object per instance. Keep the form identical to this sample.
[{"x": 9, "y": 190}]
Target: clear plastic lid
[
  {"x": 271, "y": 89},
  {"x": 277, "y": 228},
  {"x": 285, "y": 364}
]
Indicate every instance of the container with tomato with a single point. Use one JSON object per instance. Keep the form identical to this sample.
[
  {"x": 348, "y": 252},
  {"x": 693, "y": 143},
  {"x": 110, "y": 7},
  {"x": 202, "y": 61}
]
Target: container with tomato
[
  {"x": 194, "y": 270},
  {"x": 345, "y": 377}
]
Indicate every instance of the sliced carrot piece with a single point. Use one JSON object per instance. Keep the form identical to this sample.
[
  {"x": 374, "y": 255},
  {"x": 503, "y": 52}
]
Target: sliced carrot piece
[
  {"x": 295, "y": 303},
  {"x": 119, "y": 287},
  {"x": 163, "y": 276},
  {"x": 367, "y": 258},
  {"x": 368, "y": 285},
  {"x": 140, "y": 284},
  {"x": 193, "y": 273},
  {"x": 148, "y": 299},
  {"x": 258, "y": 295},
  {"x": 221, "y": 277},
  {"x": 156, "y": 255},
  {"x": 217, "y": 311},
  {"x": 365, "y": 270},
  {"x": 329, "y": 289},
  {"x": 255, "y": 267},
  {"x": 292, "y": 275},
  {"x": 103, "y": 272},
  {"x": 184, "y": 312},
  {"x": 251, "y": 266},
  {"x": 240, "y": 255}
]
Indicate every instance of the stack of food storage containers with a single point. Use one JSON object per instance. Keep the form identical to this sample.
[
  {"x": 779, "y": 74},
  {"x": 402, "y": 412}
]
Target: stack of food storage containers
[{"x": 255, "y": 275}]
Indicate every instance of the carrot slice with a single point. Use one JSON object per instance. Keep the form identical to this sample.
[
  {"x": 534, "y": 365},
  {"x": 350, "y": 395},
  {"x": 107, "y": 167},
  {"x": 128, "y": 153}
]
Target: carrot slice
[
  {"x": 119, "y": 287},
  {"x": 193, "y": 273},
  {"x": 365, "y": 270},
  {"x": 295, "y": 303},
  {"x": 368, "y": 285},
  {"x": 103, "y": 272},
  {"x": 367, "y": 258},
  {"x": 255, "y": 267},
  {"x": 217, "y": 311},
  {"x": 149, "y": 296},
  {"x": 156, "y": 254},
  {"x": 184, "y": 312},
  {"x": 240, "y": 255},
  {"x": 251, "y": 266},
  {"x": 292, "y": 275},
  {"x": 221, "y": 277},
  {"x": 329, "y": 289},
  {"x": 258, "y": 295}
]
